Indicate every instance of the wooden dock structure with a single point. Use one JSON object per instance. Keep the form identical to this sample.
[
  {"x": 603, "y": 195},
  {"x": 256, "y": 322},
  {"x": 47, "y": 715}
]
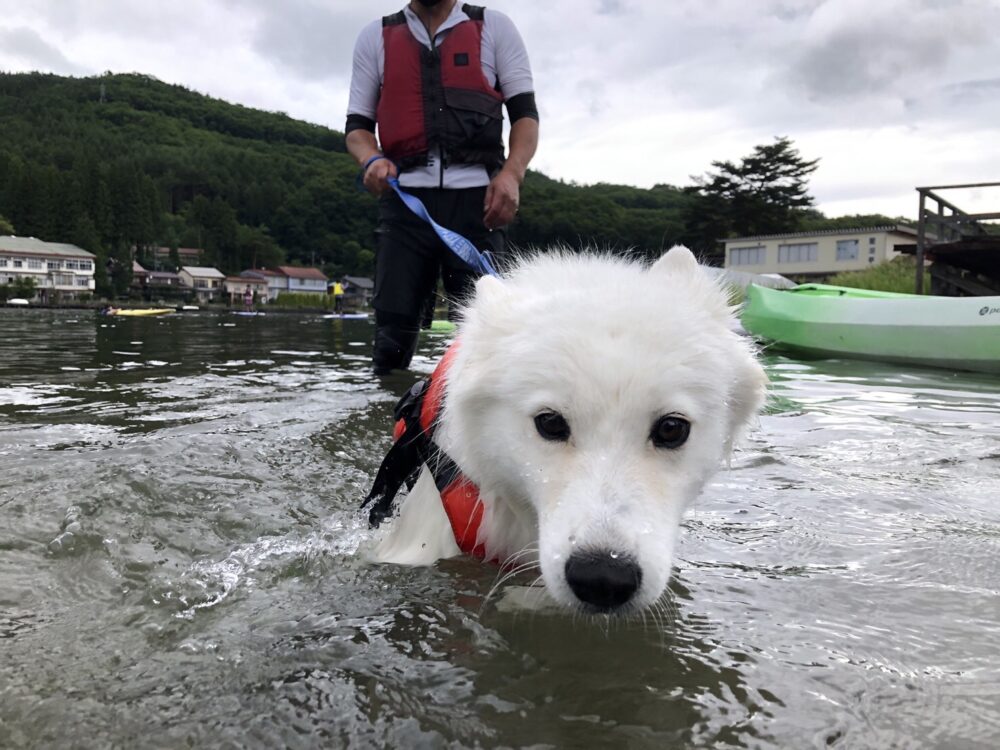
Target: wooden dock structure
[{"x": 965, "y": 253}]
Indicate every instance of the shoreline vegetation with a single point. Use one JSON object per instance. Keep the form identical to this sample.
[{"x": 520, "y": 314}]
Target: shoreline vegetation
[{"x": 895, "y": 276}]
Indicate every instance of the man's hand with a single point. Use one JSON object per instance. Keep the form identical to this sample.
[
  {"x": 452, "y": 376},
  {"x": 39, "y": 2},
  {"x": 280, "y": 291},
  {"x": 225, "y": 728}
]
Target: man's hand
[
  {"x": 502, "y": 199},
  {"x": 377, "y": 176},
  {"x": 361, "y": 144}
]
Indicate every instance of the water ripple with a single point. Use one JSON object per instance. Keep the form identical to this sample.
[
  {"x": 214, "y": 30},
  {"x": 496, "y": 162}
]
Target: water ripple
[{"x": 179, "y": 560}]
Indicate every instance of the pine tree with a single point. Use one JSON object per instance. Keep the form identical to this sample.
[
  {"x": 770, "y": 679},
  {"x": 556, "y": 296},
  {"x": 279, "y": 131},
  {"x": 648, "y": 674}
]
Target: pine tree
[{"x": 763, "y": 194}]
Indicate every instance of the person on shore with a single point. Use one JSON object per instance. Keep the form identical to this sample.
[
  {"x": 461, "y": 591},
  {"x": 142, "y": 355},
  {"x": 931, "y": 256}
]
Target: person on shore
[
  {"x": 432, "y": 79},
  {"x": 248, "y": 299}
]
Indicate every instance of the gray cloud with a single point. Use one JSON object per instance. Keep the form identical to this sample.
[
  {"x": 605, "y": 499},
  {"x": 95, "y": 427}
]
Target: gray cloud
[
  {"x": 309, "y": 39},
  {"x": 34, "y": 52},
  {"x": 850, "y": 51},
  {"x": 978, "y": 98},
  {"x": 968, "y": 92},
  {"x": 855, "y": 63},
  {"x": 610, "y": 8},
  {"x": 124, "y": 18}
]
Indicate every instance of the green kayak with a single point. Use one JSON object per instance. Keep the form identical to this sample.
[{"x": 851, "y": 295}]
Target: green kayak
[
  {"x": 959, "y": 333},
  {"x": 442, "y": 326}
]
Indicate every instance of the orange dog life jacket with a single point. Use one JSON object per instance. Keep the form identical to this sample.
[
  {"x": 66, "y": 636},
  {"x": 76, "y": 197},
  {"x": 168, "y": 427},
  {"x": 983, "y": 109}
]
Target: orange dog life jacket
[{"x": 416, "y": 420}]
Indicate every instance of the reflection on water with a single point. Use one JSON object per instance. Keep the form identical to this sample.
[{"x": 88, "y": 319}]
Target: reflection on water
[{"x": 178, "y": 528}]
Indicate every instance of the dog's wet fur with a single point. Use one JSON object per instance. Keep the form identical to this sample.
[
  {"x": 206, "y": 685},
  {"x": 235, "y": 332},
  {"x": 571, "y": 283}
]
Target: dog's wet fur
[{"x": 590, "y": 399}]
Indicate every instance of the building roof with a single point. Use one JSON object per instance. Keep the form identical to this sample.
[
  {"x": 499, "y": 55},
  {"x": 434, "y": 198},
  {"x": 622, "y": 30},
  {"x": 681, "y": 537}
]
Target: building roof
[
  {"x": 246, "y": 280},
  {"x": 137, "y": 269},
  {"x": 360, "y": 282},
  {"x": 162, "y": 275},
  {"x": 203, "y": 272},
  {"x": 33, "y": 246},
  {"x": 258, "y": 273},
  {"x": 888, "y": 228},
  {"x": 296, "y": 272}
]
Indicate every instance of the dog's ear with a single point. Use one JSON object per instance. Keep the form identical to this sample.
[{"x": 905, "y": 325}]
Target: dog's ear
[{"x": 677, "y": 260}]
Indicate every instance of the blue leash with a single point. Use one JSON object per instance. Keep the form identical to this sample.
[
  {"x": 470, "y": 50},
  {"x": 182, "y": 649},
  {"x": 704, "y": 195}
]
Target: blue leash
[
  {"x": 455, "y": 242},
  {"x": 476, "y": 260}
]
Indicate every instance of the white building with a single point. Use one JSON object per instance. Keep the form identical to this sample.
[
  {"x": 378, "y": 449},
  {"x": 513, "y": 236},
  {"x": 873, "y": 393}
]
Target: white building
[
  {"x": 304, "y": 280},
  {"x": 276, "y": 282},
  {"x": 206, "y": 282},
  {"x": 822, "y": 253},
  {"x": 58, "y": 270}
]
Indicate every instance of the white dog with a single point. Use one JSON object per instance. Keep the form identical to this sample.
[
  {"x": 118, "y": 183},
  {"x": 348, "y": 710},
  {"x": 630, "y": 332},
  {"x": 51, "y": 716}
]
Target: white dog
[{"x": 585, "y": 404}]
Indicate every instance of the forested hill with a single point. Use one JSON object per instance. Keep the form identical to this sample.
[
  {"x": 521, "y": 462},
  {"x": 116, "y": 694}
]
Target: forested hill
[{"x": 121, "y": 161}]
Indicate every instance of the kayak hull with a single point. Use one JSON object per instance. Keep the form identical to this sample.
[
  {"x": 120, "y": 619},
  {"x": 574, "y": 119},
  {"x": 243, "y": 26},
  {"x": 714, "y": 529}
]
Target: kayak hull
[
  {"x": 142, "y": 312},
  {"x": 959, "y": 333}
]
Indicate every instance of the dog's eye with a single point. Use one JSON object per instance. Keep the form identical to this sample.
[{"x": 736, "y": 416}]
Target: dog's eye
[
  {"x": 670, "y": 432},
  {"x": 552, "y": 426}
]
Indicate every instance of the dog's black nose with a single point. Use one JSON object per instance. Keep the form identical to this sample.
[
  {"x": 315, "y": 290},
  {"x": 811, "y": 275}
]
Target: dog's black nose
[{"x": 604, "y": 580}]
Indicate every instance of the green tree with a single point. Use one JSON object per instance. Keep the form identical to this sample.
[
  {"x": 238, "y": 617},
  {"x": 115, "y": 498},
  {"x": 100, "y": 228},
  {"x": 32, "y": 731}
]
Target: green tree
[
  {"x": 31, "y": 202},
  {"x": 119, "y": 269},
  {"x": 763, "y": 194},
  {"x": 23, "y": 286},
  {"x": 96, "y": 197},
  {"x": 257, "y": 249},
  {"x": 6, "y": 227},
  {"x": 217, "y": 231}
]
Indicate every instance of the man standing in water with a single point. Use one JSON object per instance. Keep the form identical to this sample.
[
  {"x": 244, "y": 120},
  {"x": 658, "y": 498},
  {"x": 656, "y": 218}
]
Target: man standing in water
[{"x": 432, "y": 78}]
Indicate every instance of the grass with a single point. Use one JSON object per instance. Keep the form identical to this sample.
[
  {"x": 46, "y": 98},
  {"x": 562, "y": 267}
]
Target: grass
[{"x": 898, "y": 275}]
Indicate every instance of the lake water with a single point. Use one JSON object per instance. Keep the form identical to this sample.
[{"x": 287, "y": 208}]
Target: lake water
[{"x": 179, "y": 520}]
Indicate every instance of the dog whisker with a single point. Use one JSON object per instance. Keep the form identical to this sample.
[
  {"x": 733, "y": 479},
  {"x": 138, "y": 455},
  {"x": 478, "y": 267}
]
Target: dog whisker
[{"x": 507, "y": 572}]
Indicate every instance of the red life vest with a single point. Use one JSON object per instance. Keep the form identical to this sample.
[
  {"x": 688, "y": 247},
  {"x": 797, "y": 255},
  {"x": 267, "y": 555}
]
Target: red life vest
[
  {"x": 414, "y": 447},
  {"x": 438, "y": 97}
]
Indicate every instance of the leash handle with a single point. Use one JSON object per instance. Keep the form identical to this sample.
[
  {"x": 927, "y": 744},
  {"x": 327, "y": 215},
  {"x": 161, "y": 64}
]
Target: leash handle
[{"x": 476, "y": 260}]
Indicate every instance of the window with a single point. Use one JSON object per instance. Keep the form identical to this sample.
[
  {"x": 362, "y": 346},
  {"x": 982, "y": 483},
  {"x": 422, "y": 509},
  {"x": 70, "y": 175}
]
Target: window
[
  {"x": 747, "y": 256},
  {"x": 54, "y": 265},
  {"x": 83, "y": 281},
  {"x": 871, "y": 242},
  {"x": 18, "y": 262},
  {"x": 200, "y": 284},
  {"x": 847, "y": 249},
  {"x": 806, "y": 252},
  {"x": 35, "y": 264},
  {"x": 63, "y": 279},
  {"x": 3, "y": 262},
  {"x": 85, "y": 265}
]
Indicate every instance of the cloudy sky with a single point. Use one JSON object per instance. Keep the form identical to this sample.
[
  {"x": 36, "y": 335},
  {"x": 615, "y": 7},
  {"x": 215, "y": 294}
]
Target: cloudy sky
[{"x": 889, "y": 94}]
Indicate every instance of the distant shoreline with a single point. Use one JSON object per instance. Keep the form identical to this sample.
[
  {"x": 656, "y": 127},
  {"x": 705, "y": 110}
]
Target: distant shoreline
[{"x": 275, "y": 309}]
